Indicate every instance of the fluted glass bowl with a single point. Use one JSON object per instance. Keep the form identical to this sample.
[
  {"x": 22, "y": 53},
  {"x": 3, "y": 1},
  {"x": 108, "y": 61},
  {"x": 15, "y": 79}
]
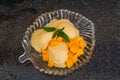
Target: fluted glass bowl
[{"x": 85, "y": 26}]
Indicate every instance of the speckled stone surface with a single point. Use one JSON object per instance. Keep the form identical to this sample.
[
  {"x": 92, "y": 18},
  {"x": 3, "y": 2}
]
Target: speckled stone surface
[{"x": 17, "y": 15}]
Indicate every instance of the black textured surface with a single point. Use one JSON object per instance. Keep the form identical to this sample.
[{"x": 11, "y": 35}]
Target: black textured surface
[{"x": 17, "y": 15}]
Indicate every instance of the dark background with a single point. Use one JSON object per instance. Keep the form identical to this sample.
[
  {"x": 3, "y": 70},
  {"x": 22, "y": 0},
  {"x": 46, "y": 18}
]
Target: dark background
[{"x": 17, "y": 15}]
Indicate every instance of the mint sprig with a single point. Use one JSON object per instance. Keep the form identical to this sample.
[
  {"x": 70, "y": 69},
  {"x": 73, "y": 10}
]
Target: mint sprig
[
  {"x": 49, "y": 29},
  {"x": 57, "y": 32},
  {"x": 63, "y": 35},
  {"x": 54, "y": 34}
]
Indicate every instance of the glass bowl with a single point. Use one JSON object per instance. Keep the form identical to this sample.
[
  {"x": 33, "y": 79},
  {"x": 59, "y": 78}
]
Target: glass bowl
[{"x": 85, "y": 26}]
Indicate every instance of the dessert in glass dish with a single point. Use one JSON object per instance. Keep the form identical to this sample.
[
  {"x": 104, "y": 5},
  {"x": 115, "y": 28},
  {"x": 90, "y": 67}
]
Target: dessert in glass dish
[{"x": 59, "y": 42}]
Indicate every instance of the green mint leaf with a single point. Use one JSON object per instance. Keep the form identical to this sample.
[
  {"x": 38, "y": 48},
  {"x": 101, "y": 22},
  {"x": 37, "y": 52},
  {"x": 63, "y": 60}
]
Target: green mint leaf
[
  {"x": 63, "y": 35},
  {"x": 55, "y": 34},
  {"x": 62, "y": 29},
  {"x": 49, "y": 29}
]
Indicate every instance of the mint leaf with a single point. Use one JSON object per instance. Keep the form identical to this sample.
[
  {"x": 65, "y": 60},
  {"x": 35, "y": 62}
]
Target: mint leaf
[
  {"x": 62, "y": 29},
  {"x": 63, "y": 35},
  {"x": 55, "y": 34},
  {"x": 49, "y": 29}
]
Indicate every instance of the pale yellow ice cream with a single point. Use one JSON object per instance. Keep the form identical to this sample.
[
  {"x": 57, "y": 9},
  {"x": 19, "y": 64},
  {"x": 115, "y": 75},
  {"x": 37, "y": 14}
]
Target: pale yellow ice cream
[
  {"x": 40, "y": 39},
  {"x": 58, "y": 54},
  {"x": 69, "y": 28}
]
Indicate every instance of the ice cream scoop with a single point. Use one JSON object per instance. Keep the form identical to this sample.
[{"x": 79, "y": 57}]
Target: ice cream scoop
[{"x": 58, "y": 54}]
